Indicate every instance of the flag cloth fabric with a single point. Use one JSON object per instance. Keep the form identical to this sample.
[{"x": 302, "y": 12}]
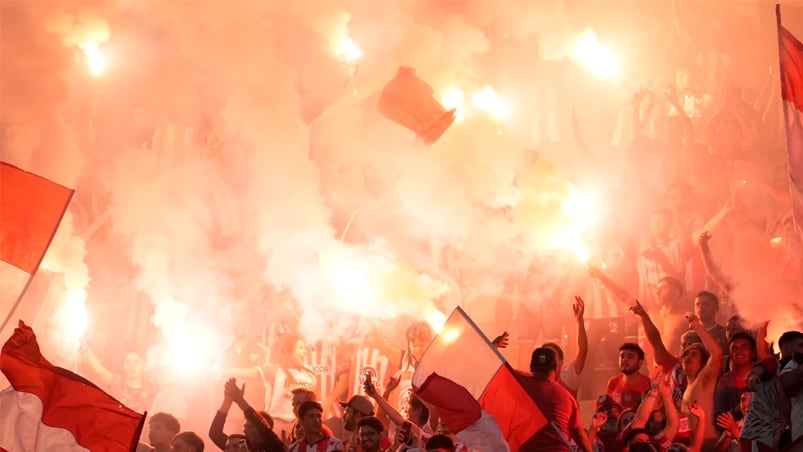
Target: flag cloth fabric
[
  {"x": 31, "y": 208},
  {"x": 791, "y": 65},
  {"x": 48, "y": 408},
  {"x": 462, "y": 354},
  {"x": 407, "y": 100}
]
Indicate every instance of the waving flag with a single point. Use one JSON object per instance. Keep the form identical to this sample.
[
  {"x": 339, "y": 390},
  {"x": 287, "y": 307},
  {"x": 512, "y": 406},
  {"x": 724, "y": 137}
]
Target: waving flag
[
  {"x": 461, "y": 359},
  {"x": 48, "y": 408},
  {"x": 791, "y": 63},
  {"x": 31, "y": 208}
]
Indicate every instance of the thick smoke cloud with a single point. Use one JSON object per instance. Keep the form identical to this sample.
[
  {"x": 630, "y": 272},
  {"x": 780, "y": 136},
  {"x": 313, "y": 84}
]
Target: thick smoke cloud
[{"x": 238, "y": 157}]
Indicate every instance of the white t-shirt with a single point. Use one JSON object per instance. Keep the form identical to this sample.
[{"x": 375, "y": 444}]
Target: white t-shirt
[
  {"x": 570, "y": 378},
  {"x": 797, "y": 404}
]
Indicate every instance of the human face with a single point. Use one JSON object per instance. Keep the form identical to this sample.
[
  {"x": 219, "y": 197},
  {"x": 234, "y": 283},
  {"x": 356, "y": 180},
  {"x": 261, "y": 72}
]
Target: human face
[
  {"x": 629, "y": 362},
  {"x": 640, "y": 438},
  {"x": 133, "y": 365},
  {"x": 692, "y": 362},
  {"x": 350, "y": 418},
  {"x": 705, "y": 308},
  {"x": 741, "y": 352},
  {"x": 659, "y": 225},
  {"x": 250, "y": 431},
  {"x": 666, "y": 293},
  {"x": 300, "y": 353},
  {"x": 179, "y": 445},
  {"x": 312, "y": 422},
  {"x": 744, "y": 401},
  {"x": 158, "y": 434},
  {"x": 417, "y": 347},
  {"x": 369, "y": 438},
  {"x": 789, "y": 350}
]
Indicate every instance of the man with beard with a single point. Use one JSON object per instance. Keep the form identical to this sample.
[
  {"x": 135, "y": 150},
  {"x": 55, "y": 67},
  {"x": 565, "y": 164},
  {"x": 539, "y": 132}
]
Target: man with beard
[
  {"x": 628, "y": 387},
  {"x": 369, "y": 430},
  {"x": 702, "y": 365},
  {"x": 731, "y": 383}
]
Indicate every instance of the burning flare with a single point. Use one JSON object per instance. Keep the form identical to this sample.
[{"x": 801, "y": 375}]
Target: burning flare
[
  {"x": 94, "y": 58},
  {"x": 597, "y": 57}
]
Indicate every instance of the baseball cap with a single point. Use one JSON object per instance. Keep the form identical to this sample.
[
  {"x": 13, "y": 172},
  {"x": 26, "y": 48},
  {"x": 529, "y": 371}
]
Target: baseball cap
[
  {"x": 605, "y": 401},
  {"x": 359, "y": 403},
  {"x": 543, "y": 359}
]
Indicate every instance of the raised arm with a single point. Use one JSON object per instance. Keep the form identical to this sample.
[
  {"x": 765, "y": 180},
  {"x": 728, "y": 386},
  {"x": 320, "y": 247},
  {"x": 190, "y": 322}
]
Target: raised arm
[
  {"x": 699, "y": 432},
  {"x": 713, "y": 367},
  {"x": 383, "y": 404},
  {"x": 579, "y": 309},
  {"x": 715, "y": 221},
  {"x": 688, "y": 126},
  {"x": 711, "y": 268},
  {"x": 652, "y": 333},
  {"x": 216, "y": 428},
  {"x": 761, "y": 341},
  {"x": 270, "y": 442},
  {"x": 105, "y": 375},
  {"x": 618, "y": 291}
]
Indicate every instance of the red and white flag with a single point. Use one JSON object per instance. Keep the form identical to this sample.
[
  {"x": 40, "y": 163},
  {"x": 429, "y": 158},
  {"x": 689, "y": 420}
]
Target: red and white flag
[
  {"x": 31, "y": 208},
  {"x": 48, "y": 408},
  {"x": 791, "y": 64},
  {"x": 462, "y": 354}
]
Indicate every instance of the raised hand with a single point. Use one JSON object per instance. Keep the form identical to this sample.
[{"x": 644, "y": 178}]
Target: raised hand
[
  {"x": 393, "y": 383},
  {"x": 726, "y": 422},
  {"x": 579, "y": 308},
  {"x": 694, "y": 322},
  {"x": 370, "y": 389},
  {"x": 705, "y": 237},
  {"x": 599, "y": 419},
  {"x": 237, "y": 394},
  {"x": 638, "y": 309},
  {"x": 501, "y": 341},
  {"x": 696, "y": 410}
]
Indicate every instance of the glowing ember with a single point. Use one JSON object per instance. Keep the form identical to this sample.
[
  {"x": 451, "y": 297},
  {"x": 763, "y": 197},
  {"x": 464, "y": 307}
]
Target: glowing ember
[
  {"x": 596, "y": 57},
  {"x": 776, "y": 242},
  {"x": 489, "y": 101}
]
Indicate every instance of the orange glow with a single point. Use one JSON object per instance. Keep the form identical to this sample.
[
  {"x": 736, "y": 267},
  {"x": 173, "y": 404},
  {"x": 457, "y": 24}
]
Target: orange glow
[
  {"x": 436, "y": 320},
  {"x": 598, "y": 58},
  {"x": 489, "y": 101},
  {"x": 348, "y": 52},
  {"x": 454, "y": 99},
  {"x": 72, "y": 318},
  {"x": 95, "y": 59}
]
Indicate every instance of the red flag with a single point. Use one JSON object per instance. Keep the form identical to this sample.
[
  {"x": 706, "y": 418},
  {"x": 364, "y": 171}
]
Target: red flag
[
  {"x": 50, "y": 408},
  {"x": 461, "y": 353},
  {"x": 791, "y": 64},
  {"x": 408, "y": 100},
  {"x": 31, "y": 208}
]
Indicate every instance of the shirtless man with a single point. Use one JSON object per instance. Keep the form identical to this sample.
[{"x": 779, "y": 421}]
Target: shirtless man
[{"x": 702, "y": 365}]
